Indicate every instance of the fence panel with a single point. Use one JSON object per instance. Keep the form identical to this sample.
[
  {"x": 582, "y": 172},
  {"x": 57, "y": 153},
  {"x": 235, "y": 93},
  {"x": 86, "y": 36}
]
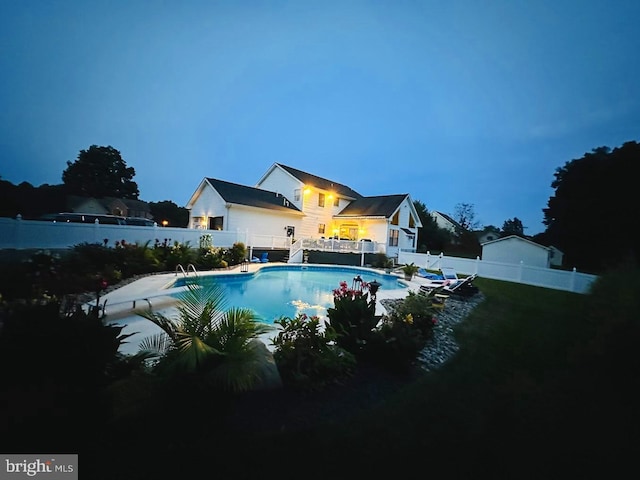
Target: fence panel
[{"x": 511, "y": 272}]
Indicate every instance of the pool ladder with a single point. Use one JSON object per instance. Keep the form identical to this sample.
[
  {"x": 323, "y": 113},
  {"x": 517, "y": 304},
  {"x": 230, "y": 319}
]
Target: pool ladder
[{"x": 186, "y": 272}]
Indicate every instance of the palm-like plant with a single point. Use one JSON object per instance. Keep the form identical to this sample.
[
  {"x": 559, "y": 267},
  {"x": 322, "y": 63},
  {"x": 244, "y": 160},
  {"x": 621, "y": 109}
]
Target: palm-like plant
[{"x": 207, "y": 340}]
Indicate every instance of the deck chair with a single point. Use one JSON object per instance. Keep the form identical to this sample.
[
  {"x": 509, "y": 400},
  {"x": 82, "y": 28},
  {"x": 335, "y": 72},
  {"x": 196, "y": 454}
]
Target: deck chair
[
  {"x": 450, "y": 274},
  {"x": 264, "y": 258},
  {"x": 428, "y": 275},
  {"x": 438, "y": 296},
  {"x": 464, "y": 287}
]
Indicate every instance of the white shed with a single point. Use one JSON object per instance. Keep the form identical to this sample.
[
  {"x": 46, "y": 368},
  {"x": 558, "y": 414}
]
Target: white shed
[{"x": 515, "y": 249}]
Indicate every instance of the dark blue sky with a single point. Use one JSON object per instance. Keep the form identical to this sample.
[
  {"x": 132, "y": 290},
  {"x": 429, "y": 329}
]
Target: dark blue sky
[{"x": 452, "y": 102}]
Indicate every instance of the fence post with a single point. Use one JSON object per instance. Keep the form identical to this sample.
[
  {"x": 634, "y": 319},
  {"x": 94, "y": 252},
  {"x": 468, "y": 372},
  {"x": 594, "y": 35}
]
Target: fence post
[
  {"x": 17, "y": 232},
  {"x": 440, "y": 260},
  {"x": 572, "y": 280},
  {"x": 428, "y": 255},
  {"x": 477, "y": 264}
]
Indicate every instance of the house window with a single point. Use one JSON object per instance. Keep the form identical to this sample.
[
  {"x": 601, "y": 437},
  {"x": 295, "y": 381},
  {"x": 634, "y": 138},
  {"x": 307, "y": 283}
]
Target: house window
[
  {"x": 296, "y": 195},
  {"x": 216, "y": 223},
  {"x": 196, "y": 222},
  {"x": 321, "y": 228},
  {"x": 321, "y": 199},
  {"x": 412, "y": 222},
  {"x": 393, "y": 238},
  {"x": 395, "y": 220},
  {"x": 336, "y": 201}
]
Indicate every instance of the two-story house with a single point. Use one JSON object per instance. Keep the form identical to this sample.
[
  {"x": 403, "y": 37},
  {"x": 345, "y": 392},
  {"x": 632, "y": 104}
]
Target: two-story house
[{"x": 288, "y": 201}]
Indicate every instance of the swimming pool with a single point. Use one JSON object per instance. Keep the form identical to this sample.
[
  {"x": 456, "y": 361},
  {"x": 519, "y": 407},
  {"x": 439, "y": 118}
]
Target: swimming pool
[
  {"x": 271, "y": 292},
  {"x": 287, "y": 290}
]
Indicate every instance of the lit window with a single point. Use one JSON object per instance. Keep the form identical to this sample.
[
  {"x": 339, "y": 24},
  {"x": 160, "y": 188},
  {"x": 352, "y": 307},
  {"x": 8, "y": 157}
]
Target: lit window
[
  {"x": 395, "y": 220},
  {"x": 321, "y": 199},
  {"x": 336, "y": 201},
  {"x": 321, "y": 228}
]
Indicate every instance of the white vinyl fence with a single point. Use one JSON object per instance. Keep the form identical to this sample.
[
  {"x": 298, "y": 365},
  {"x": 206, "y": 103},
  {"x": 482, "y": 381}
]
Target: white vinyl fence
[
  {"x": 35, "y": 234},
  {"x": 571, "y": 281}
]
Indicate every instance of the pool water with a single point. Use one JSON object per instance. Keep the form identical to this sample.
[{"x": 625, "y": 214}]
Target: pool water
[{"x": 278, "y": 291}]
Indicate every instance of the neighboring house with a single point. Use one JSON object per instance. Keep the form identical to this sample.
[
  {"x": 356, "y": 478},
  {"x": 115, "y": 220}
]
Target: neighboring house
[
  {"x": 515, "y": 249},
  {"x": 288, "y": 201},
  {"x": 124, "y": 207},
  {"x": 446, "y": 222},
  {"x": 487, "y": 234}
]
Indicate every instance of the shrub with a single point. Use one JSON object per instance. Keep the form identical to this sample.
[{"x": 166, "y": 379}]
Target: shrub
[
  {"x": 307, "y": 358},
  {"x": 396, "y": 343},
  {"x": 353, "y": 316}
]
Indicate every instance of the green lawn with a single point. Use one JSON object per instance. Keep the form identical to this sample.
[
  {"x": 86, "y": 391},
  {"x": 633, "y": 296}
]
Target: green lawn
[{"x": 544, "y": 386}]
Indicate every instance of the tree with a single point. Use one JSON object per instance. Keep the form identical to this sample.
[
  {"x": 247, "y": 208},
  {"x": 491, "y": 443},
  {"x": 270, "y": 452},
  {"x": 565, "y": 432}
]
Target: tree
[
  {"x": 590, "y": 216},
  {"x": 466, "y": 241},
  {"x": 465, "y": 215},
  {"x": 513, "y": 227},
  {"x": 167, "y": 210},
  {"x": 100, "y": 172},
  {"x": 430, "y": 236}
]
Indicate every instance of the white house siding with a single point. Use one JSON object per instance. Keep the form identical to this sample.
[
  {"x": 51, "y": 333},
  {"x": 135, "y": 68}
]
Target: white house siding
[
  {"x": 516, "y": 250},
  {"x": 208, "y": 204},
  {"x": 283, "y": 183},
  {"x": 261, "y": 221},
  {"x": 315, "y": 215}
]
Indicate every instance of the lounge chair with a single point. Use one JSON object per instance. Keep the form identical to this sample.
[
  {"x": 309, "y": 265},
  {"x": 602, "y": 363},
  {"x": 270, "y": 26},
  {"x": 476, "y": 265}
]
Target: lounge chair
[
  {"x": 462, "y": 287},
  {"x": 428, "y": 275},
  {"x": 437, "y": 295},
  {"x": 255, "y": 260},
  {"x": 264, "y": 258}
]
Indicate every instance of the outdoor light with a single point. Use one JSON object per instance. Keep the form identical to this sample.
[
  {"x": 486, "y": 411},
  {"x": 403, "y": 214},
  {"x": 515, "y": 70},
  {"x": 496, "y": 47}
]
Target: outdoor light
[
  {"x": 307, "y": 191},
  {"x": 165, "y": 223},
  {"x": 373, "y": 287}
]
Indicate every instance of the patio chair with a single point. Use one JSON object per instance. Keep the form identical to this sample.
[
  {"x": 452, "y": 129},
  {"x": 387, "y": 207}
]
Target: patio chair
[
  {"x": 464, "y": 287},
  {"x": 264, "y": 258},
  {"x": 428, "y": 275}
]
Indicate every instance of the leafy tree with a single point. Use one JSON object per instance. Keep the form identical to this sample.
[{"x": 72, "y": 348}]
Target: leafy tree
[
  {"x": 513, "y": 227},
  {"x": 430, "y": 236},
  {"x": 590, "y": 216},
  {"x": 100, "y": 172},
  {"x": 30, "y": 201},
  {"x": 167, "y": 210}
]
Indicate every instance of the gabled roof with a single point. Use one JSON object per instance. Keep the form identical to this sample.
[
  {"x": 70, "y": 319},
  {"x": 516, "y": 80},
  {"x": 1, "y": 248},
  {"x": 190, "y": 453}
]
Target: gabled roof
[
  {"x": 448, "y": 219},
  {"x": 516, "y": 237},
  {"x": 251, "y": 197},
  {"x": 319, "y": 182},
  {"x": 383, "y": 206}
]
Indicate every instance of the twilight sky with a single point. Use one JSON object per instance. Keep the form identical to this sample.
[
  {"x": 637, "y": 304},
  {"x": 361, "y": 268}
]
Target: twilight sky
[{"x": 452, "y": 102}]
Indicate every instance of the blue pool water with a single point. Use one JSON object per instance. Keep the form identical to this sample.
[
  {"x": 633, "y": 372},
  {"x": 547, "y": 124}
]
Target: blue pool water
[{"x": 276, "y": 291}]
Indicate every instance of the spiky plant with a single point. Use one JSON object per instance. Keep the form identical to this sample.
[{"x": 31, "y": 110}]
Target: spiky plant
[{"x": 217, "y": 345}]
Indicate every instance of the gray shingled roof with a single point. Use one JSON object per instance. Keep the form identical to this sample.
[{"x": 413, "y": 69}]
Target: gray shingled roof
[
  {"x": 319, "y": 182},
  {"x": 252, "y": 197},
  {"x": 381, "y": 206}
]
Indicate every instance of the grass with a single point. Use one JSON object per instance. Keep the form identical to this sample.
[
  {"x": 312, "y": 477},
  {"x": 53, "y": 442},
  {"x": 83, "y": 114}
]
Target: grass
[{"x": 543, "y": 387}]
